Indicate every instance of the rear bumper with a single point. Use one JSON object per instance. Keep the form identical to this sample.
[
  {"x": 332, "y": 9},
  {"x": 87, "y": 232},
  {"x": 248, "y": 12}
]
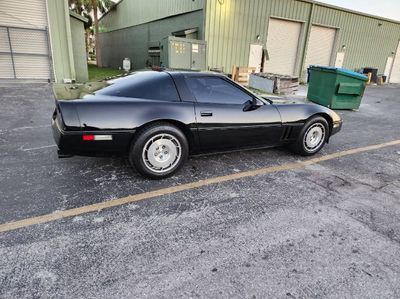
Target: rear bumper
[
  {"x": 61, "y": 154},
  {"x": 71, "y": 142}
]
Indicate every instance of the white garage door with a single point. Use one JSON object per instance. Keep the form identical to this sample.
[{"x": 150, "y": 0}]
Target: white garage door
[
  {"x": 320, "y": 46},
  {"x": 395, "y": 74},
  {"x": 24, "y": 49},
  {"x": 282, "y": 46}
]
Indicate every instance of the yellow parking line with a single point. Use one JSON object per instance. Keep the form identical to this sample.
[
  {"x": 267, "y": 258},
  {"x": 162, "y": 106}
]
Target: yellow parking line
[{"x": 165, "y": 191}]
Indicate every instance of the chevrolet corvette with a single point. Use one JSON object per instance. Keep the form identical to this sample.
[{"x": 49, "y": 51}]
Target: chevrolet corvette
[{"x": 158, "y": 119}]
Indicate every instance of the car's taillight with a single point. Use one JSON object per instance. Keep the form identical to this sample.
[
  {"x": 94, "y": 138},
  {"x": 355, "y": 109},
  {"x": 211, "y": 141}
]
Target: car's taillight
[
  {"x": 88, "y": 137},
  {"x": 96, "y": 137}
]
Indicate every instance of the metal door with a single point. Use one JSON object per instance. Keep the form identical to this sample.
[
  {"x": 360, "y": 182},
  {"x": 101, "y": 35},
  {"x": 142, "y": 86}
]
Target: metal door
[
  {"x": 198, "y": 57},
  {"x": 395, "y": 73},
  {"x": 388, "y": 66},
  {"x": 339, "y": 59},
  {"x": 255, "y": 56},
  {"x": 179, "y": 54}
]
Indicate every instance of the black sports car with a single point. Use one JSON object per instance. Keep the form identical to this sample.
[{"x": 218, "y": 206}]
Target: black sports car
[{"x": 159, "y": 118}]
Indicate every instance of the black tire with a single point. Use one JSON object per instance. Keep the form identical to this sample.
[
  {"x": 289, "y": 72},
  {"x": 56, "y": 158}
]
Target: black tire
[
  {"x": 171, "y": 136},
  {"x": 315, "y": 123}
]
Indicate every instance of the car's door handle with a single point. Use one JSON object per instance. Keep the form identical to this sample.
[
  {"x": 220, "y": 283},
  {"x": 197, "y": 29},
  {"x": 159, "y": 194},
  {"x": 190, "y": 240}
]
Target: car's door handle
[{"x": 206, "y": 113}]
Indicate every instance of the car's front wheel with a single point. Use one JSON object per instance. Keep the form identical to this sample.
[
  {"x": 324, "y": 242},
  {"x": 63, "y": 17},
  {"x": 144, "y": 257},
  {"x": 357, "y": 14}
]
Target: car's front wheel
[
  {"x": 312, "y": 137},
  {"x": 159, "y": 151}
]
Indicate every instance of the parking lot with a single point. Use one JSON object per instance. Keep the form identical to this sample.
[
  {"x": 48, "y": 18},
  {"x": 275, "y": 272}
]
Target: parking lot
[{"x": 324, "y": 229}]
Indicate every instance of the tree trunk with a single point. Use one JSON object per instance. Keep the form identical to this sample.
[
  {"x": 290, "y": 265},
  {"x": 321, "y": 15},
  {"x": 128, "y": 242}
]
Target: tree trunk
[{"x": 96, "y": 34}]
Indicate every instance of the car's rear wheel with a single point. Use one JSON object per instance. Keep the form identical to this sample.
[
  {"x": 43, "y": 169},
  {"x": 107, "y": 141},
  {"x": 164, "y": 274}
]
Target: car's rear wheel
[
  {"x": 312, "y": 137},
  {"x": 159, "y": 151}
]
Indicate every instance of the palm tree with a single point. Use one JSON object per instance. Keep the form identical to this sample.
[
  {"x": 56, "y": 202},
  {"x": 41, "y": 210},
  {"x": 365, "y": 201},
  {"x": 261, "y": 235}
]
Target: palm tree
[{"x": 92, "y": 7}]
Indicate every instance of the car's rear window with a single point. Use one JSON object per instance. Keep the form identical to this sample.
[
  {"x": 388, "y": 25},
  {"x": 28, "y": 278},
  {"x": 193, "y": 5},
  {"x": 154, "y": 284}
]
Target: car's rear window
[{"x": 144, "y": 85}]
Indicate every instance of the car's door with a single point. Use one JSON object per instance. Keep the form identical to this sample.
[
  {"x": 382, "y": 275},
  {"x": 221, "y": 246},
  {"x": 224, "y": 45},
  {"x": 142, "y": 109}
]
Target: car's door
[{"x": 222, "y": 121}]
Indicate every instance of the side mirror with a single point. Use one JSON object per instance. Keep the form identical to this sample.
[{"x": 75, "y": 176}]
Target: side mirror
[{"x": 251, "y": 105}]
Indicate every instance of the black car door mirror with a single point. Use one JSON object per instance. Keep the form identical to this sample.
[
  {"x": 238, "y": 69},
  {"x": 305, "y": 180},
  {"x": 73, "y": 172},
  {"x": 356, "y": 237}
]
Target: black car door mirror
[{"x": 251, "y": 105}]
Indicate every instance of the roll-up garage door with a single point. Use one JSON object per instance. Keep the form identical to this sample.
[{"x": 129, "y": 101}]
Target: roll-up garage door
[
  {"x": 320, "y": 46},
  {"x": 282, "y": 47},
  {"x": 24, "y": 49},
  {"x": 24, "y": 53},
  {"x": 395, "y": 74}
]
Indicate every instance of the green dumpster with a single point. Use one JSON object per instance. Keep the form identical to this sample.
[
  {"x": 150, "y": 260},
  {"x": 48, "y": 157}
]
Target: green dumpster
[{"x": 336, "y": 88}]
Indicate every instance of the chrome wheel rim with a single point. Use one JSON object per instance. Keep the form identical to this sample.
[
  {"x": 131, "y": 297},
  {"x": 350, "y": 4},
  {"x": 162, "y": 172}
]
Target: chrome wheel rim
[
  {"x": 161, "y": 153},
  {"x": 314, "y": 137}
]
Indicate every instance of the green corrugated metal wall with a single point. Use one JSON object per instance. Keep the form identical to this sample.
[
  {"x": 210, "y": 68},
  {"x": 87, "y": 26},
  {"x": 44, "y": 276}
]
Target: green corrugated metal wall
[
  {"x": 61, "y": 41},
  {"x": 67, "y": 38},
  {"x": 231, "y": 27},
  {"x": 133, "y": 42},
  {"x": 366, "y": 42},
  {"x": 134, "y": 12},
  {"x": 79, "y": 49}
]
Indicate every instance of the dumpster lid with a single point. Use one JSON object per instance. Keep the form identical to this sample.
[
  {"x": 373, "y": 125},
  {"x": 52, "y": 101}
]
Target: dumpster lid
[{"x": 341, "y": 71}]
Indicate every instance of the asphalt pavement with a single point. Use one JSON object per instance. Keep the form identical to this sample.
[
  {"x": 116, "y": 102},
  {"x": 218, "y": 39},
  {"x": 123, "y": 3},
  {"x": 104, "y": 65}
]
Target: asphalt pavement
[{"x": 327, "y": 230}]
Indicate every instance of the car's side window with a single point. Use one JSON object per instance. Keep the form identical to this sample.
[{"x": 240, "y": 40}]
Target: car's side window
[
  {"x": 145, "y": 86},
  {"x": 216, "y": 90}
]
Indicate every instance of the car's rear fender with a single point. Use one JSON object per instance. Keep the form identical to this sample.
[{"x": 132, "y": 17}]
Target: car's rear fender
[
  {"x": 130, "y": 114},
  {"x": 67, "y": 115},
  {"x": 123, "y": 117}
]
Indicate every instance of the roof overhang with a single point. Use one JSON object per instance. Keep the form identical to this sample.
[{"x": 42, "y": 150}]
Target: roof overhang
[
  {"x": 186, "y": 31},
  {"x": 78, "y": 17}
]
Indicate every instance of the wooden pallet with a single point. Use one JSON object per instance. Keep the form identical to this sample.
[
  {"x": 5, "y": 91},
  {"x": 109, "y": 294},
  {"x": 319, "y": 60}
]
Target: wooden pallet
[
  {"x": 241, "y": 74},
  {"x": 286, "y": 86},
  {"x": 282, "y": 84}
]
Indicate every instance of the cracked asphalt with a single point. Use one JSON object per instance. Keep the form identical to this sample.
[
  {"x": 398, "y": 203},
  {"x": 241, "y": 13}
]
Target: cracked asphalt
[{"x": 329, "y": 230}]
